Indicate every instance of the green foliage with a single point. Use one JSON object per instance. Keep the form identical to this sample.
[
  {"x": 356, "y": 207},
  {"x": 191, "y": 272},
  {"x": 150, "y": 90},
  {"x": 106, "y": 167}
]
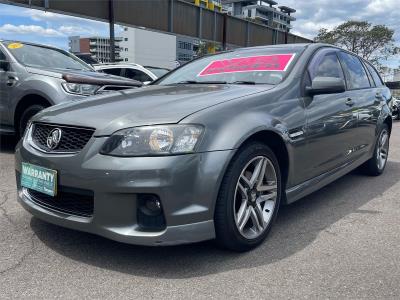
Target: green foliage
[{"x": 374, "y": 43}]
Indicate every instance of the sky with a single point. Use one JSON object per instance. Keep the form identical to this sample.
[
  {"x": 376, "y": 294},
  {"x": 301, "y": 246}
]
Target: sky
[{"x": 49, "y": 28}]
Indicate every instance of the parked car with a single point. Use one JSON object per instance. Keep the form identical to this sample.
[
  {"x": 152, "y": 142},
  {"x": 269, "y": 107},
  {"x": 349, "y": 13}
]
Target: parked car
[
  {"x": 396, "y": 109},
  {"x": 34, "y": 76},
  {"x": 211, "y": 150},
  {"x": 137, "y": 72}
]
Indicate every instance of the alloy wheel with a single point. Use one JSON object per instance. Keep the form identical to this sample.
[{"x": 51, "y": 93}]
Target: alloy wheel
[
  {"x": 383, "y": 149},
  {"x": 255, "y": 197}
]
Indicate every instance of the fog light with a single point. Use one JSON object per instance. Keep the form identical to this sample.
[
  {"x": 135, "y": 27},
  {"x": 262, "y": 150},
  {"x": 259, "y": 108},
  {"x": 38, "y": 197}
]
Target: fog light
[
  {"x": 150, "y": 216},
  {"x": 150, "y": 205}
]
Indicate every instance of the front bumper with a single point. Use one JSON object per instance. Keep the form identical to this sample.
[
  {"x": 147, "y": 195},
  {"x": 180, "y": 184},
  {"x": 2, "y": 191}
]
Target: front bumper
[{"x": 187, "y": 186}]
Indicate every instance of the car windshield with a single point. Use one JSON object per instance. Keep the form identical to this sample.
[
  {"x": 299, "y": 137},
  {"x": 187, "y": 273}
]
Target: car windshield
[
  {"x": 44, "y": 57},
  {"x": 157, "y": 71},
  {"x": 255, "y": 66}
]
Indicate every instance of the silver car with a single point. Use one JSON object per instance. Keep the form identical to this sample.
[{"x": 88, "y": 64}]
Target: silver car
[{"x": 33, "y": 77}]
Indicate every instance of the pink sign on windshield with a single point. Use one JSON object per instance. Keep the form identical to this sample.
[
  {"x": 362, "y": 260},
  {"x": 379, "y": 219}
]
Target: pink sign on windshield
[{"x": 275, "y": 62}]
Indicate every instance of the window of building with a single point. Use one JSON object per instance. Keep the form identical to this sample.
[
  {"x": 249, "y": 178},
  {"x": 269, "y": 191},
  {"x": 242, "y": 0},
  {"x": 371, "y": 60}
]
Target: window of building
[
  {"x": 356, "y": 77},
  {"x": 126, "y": 49},
  {"x": 249, "y": 13},
  {"x": 125, "y": 39},
  {"x": 126, "y": 59}
]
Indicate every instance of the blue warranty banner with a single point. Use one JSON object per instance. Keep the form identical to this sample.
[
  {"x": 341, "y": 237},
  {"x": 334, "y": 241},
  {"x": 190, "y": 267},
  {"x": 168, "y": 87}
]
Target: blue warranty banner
[{"x": 39, "y": 179}]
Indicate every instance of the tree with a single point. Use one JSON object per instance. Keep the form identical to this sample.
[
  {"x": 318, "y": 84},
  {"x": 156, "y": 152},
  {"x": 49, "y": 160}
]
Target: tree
[{"x": 373, "y": 43}]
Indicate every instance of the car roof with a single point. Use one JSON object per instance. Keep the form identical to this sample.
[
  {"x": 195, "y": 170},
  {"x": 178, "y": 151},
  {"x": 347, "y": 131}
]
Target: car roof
[{"x": 119, "y": 65}]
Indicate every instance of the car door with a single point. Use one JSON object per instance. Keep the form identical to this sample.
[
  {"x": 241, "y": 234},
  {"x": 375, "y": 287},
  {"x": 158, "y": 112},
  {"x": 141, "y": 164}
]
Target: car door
[
  {"x": 378, "y": 95},
  {"x": 367, "y": 100},
  {"x": 330, "y": 118}
]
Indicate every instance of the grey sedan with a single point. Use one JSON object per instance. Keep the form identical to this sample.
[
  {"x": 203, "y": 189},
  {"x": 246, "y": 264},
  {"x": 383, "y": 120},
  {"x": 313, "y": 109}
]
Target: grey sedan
[{"x": 211, "y": 150}]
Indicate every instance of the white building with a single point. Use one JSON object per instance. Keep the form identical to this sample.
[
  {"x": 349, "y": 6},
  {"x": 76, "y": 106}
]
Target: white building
[{"x": 148, "y": 48}]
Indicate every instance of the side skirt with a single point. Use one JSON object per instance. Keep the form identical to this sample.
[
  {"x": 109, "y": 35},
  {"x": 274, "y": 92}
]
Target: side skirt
[{"x": 303, "y": 189}]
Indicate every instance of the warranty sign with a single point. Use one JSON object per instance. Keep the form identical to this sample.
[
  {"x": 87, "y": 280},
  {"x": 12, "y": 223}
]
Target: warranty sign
[{"x": 39, "y": 179}]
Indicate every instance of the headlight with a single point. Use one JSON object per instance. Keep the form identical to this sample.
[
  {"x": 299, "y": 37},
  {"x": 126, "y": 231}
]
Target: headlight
[
  {"x": 80, "y": 89},
  {"x": 153, "y": 140}
]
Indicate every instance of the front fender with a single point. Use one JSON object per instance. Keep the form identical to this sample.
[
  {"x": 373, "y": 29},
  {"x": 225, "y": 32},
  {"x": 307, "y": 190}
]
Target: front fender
[
  {"x": 229, "y": 125},
  {"x": 234, "y": 131},
  {"x": 45, "y": 87}
]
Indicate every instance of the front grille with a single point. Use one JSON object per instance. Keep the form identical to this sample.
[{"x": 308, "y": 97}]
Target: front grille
[
  {"x": 71, "y": 201},
  {"x": 73, "y": 139}
]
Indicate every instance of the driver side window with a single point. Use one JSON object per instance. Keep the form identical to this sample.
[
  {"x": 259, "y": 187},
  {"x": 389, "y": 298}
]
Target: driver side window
[{"x": 325, "y": 64}]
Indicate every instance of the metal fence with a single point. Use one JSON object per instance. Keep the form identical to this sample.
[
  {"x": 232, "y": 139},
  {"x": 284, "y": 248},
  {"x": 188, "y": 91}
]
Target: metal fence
[{"x": 173, "y": 16}]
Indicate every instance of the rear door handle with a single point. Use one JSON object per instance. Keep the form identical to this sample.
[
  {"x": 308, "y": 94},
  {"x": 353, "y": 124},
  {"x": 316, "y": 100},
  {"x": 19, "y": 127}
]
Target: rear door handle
[{"x": 349, "y": 102}]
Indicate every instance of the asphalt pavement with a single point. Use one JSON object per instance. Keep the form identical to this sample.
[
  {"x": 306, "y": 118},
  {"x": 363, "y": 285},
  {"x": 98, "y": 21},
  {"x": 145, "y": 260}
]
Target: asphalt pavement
[{"x": 340, "y": 242}]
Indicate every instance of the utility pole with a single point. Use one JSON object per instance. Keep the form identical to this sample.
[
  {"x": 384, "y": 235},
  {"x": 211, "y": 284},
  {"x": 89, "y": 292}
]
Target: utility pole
[{"x": 112, "y": 33}]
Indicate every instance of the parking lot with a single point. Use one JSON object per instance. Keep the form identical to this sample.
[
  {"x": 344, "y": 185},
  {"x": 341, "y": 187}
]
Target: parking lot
[{"x": 341, "y": 242}]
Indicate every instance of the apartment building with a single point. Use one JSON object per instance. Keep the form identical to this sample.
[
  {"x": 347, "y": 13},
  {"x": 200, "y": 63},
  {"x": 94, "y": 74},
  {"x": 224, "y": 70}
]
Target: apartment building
[
  {"x": 264, "y": 12},
  {"x": 98, "y": 47},
  {"x": 210, "y": 4}
]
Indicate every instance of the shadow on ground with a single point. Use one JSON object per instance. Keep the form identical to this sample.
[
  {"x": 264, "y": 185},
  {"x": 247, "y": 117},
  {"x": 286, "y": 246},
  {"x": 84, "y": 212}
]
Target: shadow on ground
[
  {"x": 7, "y": 144},
  {"x": 297, "y": 226}
]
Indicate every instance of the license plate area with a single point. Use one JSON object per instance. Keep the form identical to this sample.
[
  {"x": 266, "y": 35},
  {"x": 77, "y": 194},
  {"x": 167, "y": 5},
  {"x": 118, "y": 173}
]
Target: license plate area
[{"x": 38, "y": 178}]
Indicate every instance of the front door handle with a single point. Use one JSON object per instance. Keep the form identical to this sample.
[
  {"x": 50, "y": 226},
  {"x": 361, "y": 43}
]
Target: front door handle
[
  {"x": 11, "y": 80},
  {"x": 349, "y": 102}
]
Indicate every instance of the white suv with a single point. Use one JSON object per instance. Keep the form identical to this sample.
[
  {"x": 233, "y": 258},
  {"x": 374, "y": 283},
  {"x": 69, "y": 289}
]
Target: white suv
[{"x": 133, "y": 71}]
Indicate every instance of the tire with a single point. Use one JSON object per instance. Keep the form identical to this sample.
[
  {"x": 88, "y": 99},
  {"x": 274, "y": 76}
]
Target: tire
[
  {"x": 26, "y": 115},
  {"x": 375, "y": 166},
  {"x": 231, "y": 199}
]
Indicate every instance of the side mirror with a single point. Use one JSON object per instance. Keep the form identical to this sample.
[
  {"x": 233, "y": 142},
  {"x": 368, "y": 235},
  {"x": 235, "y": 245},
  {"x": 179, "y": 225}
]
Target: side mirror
[
  {"x": 4, "y": 65},
  {"x": 326, "y": 85}
]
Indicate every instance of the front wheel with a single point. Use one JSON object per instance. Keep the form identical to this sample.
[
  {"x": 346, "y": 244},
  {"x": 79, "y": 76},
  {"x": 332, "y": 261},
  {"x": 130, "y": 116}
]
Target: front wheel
[
  {"x": 249, "y": 198},
  {"x": 376, "y": 165},
  {"x": 27, "y": 114}
]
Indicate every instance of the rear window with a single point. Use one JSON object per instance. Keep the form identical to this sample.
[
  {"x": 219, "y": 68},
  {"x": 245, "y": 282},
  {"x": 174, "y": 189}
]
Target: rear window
[
  {"x": 113, "y": 71},
  {"x": 356, "y": 77},
  {"x": 375, "y": 76},
  {"x": 260, "y": 66}
]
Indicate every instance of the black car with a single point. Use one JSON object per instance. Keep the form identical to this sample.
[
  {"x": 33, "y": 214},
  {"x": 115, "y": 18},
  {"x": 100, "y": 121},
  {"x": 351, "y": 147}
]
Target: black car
[{"x": 396, "y": 109}]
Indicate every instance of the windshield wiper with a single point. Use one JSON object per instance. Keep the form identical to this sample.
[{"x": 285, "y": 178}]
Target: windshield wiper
[
  {"x": 201, "y": 82},
  {"x": 217, "y": 82},
  {"x": 244, "y": 82}
]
